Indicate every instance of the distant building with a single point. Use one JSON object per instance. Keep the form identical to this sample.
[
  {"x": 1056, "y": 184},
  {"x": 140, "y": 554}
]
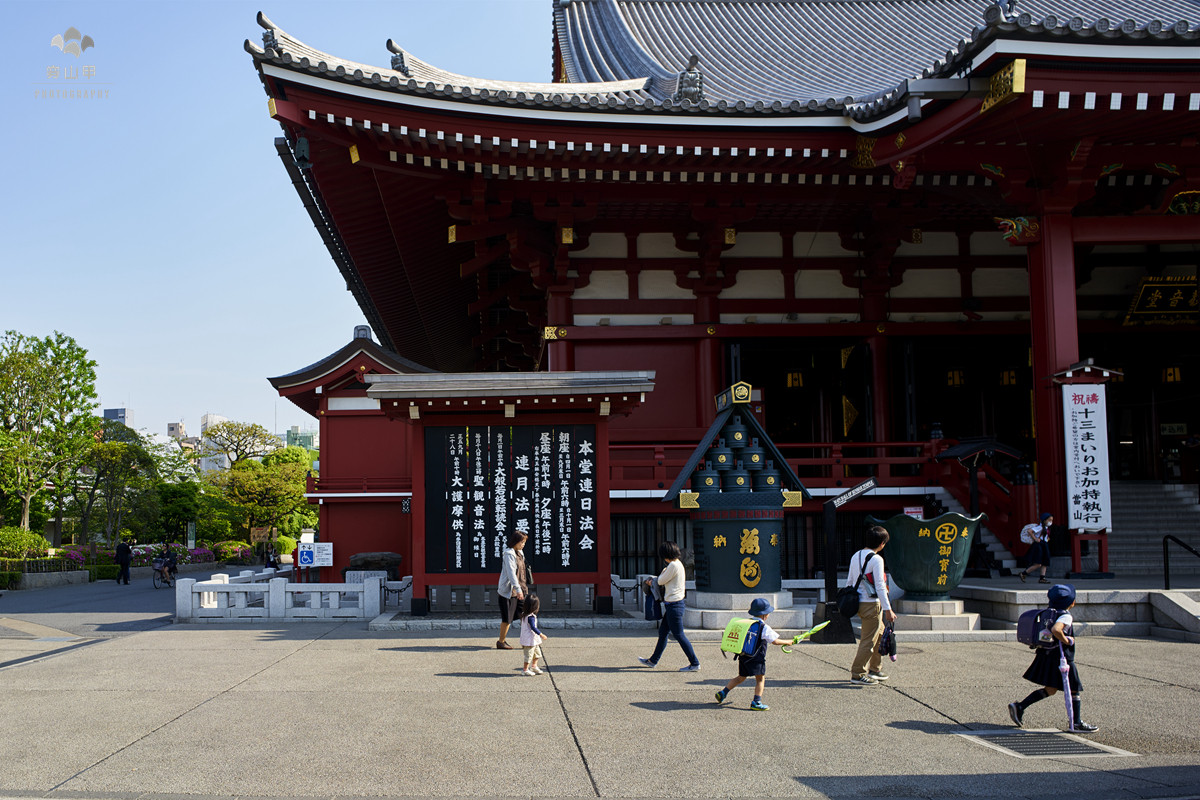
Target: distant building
[
  {"x": 121, "y": 415},
  {"x": 309, "y": 440},
  {"x": 211, "y": 463},
  {"x": 176, "y": 430}
]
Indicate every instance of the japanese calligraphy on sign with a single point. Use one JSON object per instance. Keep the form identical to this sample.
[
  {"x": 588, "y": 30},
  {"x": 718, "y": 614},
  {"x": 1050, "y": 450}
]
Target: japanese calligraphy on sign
[
  {"x": 484, "y": 482},
  {"x": 1089, "y": 502},
  {"x": 1164, "y": 301}
]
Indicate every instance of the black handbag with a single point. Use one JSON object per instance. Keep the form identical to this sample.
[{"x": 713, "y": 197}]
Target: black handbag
[{"x": 847, "y": 596}]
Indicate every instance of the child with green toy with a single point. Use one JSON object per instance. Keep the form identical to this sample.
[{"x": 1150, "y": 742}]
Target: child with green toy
[{"x": 756, "y": 664}]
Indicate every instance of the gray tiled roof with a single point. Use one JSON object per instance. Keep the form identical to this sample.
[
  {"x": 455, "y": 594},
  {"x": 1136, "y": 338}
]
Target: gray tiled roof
[
  {"x": 770, "y": 51},
  {"x": 851, "y": 57},
  {"x": 508, "y": 384}
]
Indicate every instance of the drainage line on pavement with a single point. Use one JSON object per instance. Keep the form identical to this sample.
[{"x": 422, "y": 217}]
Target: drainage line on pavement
[
  {"x": 48, "y": 654},
  {"x": 586, "y": 767}
]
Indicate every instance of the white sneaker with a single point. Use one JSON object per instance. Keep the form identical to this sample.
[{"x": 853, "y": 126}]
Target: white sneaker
[
  {"x": 537, "y": 671},
  {"x": 528, "y": 673},
  {"x": 865, "y": 680}
]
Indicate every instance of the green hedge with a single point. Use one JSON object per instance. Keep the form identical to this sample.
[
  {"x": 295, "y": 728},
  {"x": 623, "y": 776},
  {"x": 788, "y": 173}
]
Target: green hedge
[
  {"x": 103, "y": 572},
  {"x": 16, "y": 543},
  {"x": 285, "y": 545},
  {"x": 9, "y": 579}
]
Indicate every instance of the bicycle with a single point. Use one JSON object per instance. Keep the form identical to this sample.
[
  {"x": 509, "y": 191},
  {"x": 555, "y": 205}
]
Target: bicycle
[{"x": 159, "y": 580}]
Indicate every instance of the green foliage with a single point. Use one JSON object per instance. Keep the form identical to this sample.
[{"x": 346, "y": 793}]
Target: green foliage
[
  {"x": 47, "y": 399},
  {"x": 10, "y": 512},
  {"x": 179, "y": 504},
  {"x": 9, "y": 580},
  {"x": 265, "y": 494},
  {"x": 103, "y": 572},
  {"x": 231, "y": 551},
  {"x": 287, "y": 455},
  {"x": 285, "y": 545},
  {"x": 18, "y": 543}
]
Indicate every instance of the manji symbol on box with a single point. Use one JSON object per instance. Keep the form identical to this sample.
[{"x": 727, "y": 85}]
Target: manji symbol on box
[{"x": 483, "y": 482}]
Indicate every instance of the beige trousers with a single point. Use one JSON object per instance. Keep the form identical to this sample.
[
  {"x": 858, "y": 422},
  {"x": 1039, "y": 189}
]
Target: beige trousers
[{"x": 868, "y": 643}]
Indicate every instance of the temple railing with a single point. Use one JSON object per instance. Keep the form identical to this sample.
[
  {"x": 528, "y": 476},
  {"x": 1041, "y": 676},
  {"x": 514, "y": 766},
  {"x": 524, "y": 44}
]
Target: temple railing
[{"x": 837, "y": 464}]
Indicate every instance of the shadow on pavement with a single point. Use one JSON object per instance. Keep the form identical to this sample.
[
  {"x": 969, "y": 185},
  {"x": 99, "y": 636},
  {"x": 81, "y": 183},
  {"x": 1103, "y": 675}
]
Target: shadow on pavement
[
  {"x": 465, "y": 648},
  {"x": 674, "y": 705},
  {"x": 1065, "y": 785}
]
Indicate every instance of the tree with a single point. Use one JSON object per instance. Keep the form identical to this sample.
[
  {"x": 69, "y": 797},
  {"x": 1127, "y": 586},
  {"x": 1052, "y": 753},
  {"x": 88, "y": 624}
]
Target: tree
[
  {"x": 238, "y": 441},
  {"x": 265, "y": 494},
  {"x": 47, "y": 396},
  {"x": 125, "y": 475},
  {"x": 180, "y": 504}
]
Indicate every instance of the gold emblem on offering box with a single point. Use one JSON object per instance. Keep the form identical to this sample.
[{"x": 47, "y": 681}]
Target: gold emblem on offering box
[
  {"x": 749, "y": 541},
  {"x": 750, "y": 573},
  {"x": 689, "y": 500},
  {"x": 741, "y": 481},
  {"x": 946, "y": 533},
  {"x": 721, "y": 458},
  {"x": 791, "y": 499}
]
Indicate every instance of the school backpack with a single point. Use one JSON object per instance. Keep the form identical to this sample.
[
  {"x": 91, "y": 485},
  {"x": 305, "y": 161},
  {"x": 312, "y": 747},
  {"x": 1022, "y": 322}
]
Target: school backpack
[
  {"x": 1033, "y": 628},
  {"x": 741, "y": 637}
]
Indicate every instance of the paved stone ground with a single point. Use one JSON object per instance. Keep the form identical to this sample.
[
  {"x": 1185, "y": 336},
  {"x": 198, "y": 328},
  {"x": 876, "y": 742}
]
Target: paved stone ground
[{"x": 329, "y": 709}]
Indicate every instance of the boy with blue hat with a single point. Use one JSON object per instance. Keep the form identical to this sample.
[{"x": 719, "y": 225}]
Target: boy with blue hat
[
  {"x": 1044, "y": 670},
  {"x": 755, "y": 665}
]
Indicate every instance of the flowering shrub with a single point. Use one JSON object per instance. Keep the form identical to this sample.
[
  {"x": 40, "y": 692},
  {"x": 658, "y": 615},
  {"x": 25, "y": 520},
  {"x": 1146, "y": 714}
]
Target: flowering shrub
[
  {"x": 16, "y": 543},
  {"x": 143, "y": 555},
  {"x": 232, "y": 551},
  {"x": 73, "y": 555}
]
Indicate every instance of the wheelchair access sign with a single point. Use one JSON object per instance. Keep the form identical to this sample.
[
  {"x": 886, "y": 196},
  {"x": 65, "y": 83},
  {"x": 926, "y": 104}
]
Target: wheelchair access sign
[{"x": 314, "y": 554}]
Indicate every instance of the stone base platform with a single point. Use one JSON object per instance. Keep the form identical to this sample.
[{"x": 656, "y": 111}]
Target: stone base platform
[
  {"x": 713, "y": 610},
  {"x": 937, "y": 615}
]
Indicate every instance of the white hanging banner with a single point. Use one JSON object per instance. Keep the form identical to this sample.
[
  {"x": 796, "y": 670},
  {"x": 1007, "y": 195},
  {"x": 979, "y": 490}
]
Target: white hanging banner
[{"x": 1089, "y": 499}]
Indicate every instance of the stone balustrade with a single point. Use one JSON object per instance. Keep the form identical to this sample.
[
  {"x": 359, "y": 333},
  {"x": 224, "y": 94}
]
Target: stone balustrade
[{"x": 250, "y": 600}]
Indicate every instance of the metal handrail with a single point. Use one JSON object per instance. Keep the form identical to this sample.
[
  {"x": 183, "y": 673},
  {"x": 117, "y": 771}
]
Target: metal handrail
[{"x": 1167, "y": 559}]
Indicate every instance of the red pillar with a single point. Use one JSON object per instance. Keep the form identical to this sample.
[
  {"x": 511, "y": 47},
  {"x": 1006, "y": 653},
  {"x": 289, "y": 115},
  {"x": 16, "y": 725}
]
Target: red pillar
[
  {"x": 881, "y": 401},
  {"x": 559, "y": 314},
  {"x": 1055, "y": 347},
  {"x": 708, "y": 379}
]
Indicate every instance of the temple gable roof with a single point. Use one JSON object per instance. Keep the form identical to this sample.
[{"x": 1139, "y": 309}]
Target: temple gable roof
[{"x": 853, "y": 58}]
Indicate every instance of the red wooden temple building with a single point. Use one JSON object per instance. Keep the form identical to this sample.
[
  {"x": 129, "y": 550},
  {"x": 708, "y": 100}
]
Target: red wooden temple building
[{"x": 898, "y": 222}]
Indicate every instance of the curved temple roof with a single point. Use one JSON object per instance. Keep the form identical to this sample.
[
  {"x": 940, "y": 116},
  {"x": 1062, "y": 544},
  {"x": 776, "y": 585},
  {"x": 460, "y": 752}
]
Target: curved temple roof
[{"x": 843, "y": 57}]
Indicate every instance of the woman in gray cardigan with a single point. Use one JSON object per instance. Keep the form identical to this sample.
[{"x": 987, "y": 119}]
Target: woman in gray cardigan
[{"x": 512, "y": 587}]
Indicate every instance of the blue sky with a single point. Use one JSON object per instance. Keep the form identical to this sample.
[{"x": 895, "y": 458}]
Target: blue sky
[{"x": 157, "y": 226}]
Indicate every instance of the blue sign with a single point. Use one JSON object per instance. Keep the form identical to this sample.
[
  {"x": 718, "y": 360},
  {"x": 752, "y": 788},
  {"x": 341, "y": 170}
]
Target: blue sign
[{"x": 306, "y": 555}]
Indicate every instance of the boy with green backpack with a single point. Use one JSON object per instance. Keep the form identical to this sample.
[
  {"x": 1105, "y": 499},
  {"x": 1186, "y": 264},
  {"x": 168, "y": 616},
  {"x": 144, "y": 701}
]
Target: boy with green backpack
[{"x": 749, "y": 641}]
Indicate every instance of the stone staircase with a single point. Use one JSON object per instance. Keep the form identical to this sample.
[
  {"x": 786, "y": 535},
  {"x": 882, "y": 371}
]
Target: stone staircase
[
  {"x": 999, "y": 552},
  {"x": 1144, "y": 512}
]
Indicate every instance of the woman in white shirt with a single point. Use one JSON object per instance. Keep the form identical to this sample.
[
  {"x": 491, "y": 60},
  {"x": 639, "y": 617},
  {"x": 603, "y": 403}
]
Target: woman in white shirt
[
  {"x": 872, "y": 598},
  {"x": 672, "y": 582}
]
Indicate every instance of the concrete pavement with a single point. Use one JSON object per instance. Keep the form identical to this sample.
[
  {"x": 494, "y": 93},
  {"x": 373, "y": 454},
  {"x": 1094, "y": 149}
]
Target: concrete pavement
[{"x": 328, "y": 709}]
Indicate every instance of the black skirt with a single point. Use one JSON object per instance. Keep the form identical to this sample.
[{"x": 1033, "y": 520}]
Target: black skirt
[{"x": 1044, "y": 671}]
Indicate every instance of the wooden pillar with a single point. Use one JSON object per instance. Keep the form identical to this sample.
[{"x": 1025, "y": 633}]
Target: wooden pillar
[
  {"x": 708, "y": 379},
  {"x": 1055, "y": 347},
  {"x": 881, "y": 396},
  {"x": 559, "y": 314}
]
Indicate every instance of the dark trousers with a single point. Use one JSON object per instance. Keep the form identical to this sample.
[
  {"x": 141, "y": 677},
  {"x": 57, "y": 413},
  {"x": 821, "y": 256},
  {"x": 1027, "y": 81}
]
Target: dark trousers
[
  {"x": 672, "y": 622},
  {"x": 123, "y": 574}
]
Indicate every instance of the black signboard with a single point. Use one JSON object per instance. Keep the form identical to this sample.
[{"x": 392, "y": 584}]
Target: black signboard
[
  {"x": 1164, "y": 301},
  {"x": 483, "y": 482}
]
